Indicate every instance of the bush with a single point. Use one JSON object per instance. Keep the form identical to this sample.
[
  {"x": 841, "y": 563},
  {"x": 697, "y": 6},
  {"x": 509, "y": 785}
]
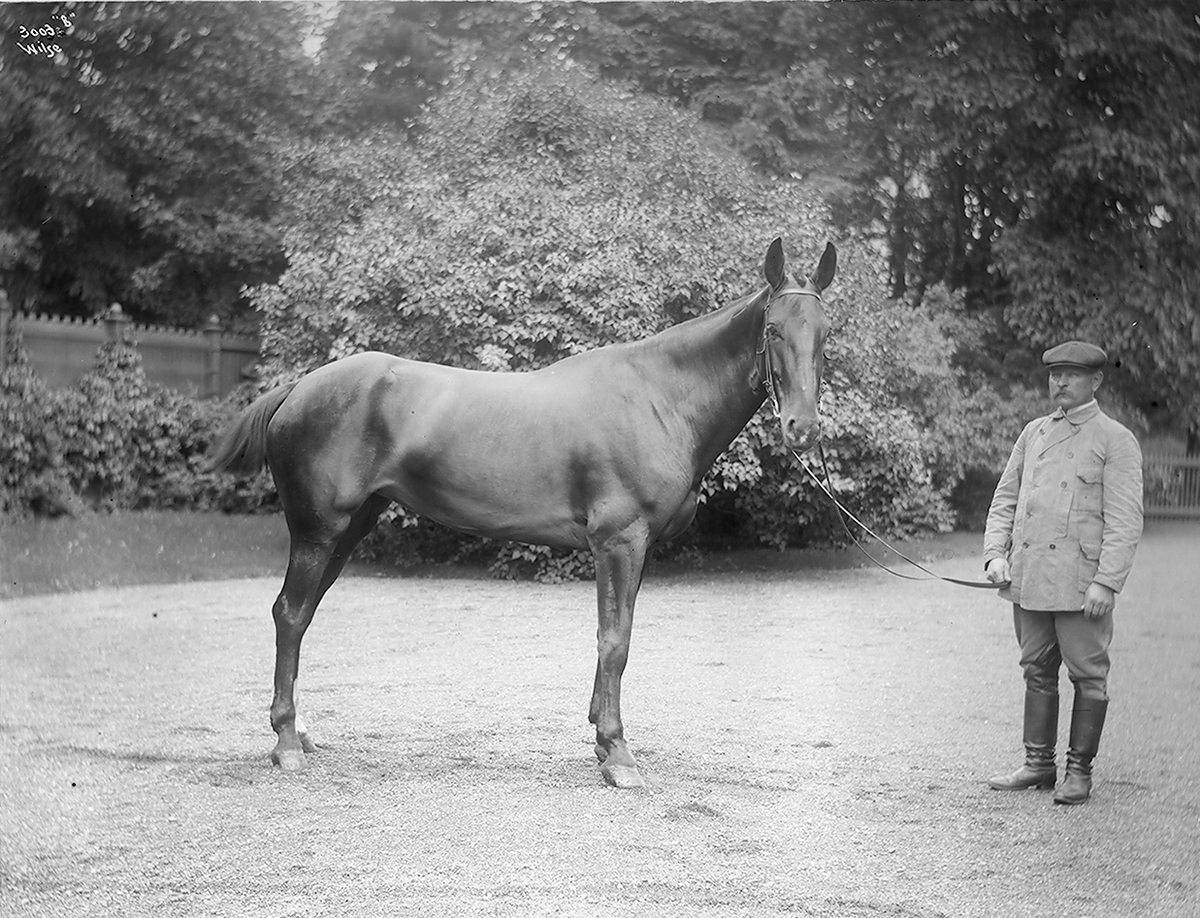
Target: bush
[{"x": 115, "y": 441}]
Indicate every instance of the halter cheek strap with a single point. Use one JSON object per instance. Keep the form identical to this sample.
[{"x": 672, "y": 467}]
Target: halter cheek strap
[{"x": 769, "y": 331}]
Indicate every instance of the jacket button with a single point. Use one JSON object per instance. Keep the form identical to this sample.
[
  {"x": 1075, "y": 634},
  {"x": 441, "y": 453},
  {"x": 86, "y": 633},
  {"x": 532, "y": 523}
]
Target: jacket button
[
  {"x": 1052, "y": 547},
  {"x": 1024, "y": 544},
  {"x": 1063, "y": 485},
  {"x": 1070, "y": 455}
]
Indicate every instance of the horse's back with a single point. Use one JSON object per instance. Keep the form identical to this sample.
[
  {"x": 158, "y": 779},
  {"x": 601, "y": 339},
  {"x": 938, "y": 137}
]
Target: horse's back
[{"x": 525, "y": 456}]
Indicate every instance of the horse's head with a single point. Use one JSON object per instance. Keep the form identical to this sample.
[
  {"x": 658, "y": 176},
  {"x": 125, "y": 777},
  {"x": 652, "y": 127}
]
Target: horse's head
[{"x": 791, "y": 351}]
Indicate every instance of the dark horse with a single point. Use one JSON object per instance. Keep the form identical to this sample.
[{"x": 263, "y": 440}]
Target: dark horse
[{"x": 603, "y": 450}]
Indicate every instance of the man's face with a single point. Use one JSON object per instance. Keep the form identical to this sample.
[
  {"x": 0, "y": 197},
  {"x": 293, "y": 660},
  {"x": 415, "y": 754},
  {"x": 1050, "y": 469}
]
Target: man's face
[{"x": 1071, "y": 387}]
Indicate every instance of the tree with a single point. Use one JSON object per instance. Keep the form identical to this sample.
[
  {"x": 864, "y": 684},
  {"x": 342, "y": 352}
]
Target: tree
[
  {"x": 748, "y": 67},
  {"x": 135, "y": 153},
  {"x": 387, "y": 60},
  {"x": 1044, "y": 158},
  {"x": 1041, "y": 157}
]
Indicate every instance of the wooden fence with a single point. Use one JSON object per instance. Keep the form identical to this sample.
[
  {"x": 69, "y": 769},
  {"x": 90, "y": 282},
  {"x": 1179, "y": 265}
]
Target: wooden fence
[
  {"x": 206, "y": 363},
  {"x": 1172, "y": 486}
]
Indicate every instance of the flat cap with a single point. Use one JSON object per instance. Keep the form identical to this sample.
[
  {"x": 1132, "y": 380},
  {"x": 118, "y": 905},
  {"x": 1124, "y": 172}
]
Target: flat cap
[{"x": 1076, "y": 354}]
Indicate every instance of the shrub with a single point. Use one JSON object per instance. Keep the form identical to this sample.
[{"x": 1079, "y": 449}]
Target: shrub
[{"x": 115, "y": 441}]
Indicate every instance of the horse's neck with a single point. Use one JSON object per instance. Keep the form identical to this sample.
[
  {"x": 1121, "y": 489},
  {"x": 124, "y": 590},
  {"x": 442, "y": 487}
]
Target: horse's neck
[{"x": 712, "y": 359}]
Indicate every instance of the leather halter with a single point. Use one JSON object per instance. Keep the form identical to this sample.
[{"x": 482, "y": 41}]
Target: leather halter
[{"x": 770, "y": 331}]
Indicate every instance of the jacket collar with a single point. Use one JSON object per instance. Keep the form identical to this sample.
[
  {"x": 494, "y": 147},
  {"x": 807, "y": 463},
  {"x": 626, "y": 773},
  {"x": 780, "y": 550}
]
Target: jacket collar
[
  {"x": 1053, "y": 434},
  {"x": 1079, "y": 414}
]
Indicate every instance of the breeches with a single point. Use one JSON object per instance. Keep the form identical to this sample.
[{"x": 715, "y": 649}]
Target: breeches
[{"x": 1048, "y": 639}]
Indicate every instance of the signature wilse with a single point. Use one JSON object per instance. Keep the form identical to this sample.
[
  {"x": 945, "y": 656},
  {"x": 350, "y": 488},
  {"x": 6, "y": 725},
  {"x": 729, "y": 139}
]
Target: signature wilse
[{"x": 33, "y": 40}]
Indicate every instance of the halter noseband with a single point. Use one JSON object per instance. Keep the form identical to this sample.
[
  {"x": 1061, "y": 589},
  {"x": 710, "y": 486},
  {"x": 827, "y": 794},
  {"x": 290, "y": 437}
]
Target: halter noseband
[{"x": 770, "y": 331}]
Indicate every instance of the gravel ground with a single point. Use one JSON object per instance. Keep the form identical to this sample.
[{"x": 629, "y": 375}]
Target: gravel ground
[{"x": 815, "y": 742}]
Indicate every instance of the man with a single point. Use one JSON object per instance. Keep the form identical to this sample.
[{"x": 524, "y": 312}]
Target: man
[{"x": 1061, "y": 532}]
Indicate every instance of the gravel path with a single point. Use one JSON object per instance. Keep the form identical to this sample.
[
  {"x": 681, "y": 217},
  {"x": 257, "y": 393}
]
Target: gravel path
[{"x": 814, "y": 743}]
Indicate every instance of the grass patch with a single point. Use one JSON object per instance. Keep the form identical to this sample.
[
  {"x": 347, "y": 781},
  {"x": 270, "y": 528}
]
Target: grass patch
[
  {"x": 125, "y": 548},
  {"x": 62, "y": 555}
]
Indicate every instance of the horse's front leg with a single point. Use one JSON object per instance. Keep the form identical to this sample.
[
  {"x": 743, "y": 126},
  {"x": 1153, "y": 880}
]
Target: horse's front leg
[{"x": 620, "y": 560}]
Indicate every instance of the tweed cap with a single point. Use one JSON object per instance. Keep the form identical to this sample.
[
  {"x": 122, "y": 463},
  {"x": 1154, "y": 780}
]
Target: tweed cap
[{"x": 1076, "y": 354}]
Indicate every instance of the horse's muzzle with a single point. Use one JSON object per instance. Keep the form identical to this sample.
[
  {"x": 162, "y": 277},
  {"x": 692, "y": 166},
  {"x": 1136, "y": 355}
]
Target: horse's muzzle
[{"x": 801, "y": 434}]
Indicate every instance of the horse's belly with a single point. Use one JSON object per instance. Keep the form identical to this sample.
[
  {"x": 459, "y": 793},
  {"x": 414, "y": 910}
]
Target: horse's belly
[{"x": 496, "y": 499}]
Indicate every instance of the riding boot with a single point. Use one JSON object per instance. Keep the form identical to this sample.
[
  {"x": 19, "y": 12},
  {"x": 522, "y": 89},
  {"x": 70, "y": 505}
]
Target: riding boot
[
  {"x": 1040, "y": 733},
  {"x": 1087, "y": 723}
]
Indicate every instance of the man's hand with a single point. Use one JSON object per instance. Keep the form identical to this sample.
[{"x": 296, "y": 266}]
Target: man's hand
[
  {"x": 998, "y": 571},
  {"x": 1098, "y": 601}
]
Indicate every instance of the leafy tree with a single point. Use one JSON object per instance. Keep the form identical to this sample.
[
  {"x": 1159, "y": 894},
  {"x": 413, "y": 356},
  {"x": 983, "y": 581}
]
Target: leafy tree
[
  {"x": 386, "y": 60},
  {"x": 1043, "y": 158},
  {"x": 134, "y": 158},
  {"x": 748, "y": 67}
]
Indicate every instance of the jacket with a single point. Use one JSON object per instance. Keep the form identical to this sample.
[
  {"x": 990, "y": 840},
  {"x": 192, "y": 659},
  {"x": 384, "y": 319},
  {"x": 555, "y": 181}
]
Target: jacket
[{"x": 1068, "y": 509}]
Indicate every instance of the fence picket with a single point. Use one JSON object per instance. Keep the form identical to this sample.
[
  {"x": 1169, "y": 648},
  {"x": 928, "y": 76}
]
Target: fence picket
[{"x": 1172, "y": 486}]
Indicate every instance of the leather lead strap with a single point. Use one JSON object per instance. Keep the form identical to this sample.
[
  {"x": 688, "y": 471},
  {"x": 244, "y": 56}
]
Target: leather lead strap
[{"x": 844, "y": 514}]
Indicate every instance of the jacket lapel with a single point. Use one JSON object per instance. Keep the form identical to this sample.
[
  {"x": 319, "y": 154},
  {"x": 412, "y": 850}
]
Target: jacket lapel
[
  {"x": 1060, "y": 426},
  {"x": 1053, "y": 431}
]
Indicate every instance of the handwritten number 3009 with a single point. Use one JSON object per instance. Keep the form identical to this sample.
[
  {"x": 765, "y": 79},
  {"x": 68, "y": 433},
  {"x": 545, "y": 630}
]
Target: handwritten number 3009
[{"x": 48, "y": 30}]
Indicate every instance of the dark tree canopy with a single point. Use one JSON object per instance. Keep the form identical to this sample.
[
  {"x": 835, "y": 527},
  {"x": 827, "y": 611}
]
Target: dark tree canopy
[{"x": 134, "y": 162}]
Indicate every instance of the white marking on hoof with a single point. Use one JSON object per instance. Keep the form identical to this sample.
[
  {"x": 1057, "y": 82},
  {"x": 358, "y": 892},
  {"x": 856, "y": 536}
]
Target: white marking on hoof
[{"x": 625, "y": 777}]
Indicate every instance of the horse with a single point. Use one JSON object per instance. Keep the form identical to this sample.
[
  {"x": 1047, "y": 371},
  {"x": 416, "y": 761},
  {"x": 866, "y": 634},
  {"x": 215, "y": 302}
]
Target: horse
[{"x": 603, "y": 450}]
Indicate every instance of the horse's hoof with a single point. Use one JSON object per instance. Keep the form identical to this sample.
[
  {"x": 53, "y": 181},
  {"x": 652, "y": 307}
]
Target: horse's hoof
[
  {"x": 289, "y": 759},
  {"x": 625, "y": 777}
]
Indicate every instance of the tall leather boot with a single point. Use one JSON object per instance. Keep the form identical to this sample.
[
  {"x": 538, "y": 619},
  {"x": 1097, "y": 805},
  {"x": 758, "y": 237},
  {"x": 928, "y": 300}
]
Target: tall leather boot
[
  {"x": 1087, "y": 723},
  {"x": 1040, "y": 733}
]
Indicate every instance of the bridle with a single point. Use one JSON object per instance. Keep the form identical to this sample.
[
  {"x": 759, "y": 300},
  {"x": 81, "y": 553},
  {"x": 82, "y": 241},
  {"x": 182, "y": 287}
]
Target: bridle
[{"x": 763, "y": 354}]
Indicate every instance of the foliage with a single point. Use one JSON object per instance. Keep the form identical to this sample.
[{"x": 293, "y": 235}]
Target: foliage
[
  {"x": 551, "y": 212},
  {"x": 748, "y": 67},
  {"x": 115, "y": 441},
  {"x": 134, "y": 162},
  {"x": 1044, "y": 158},
  {"x": 1041, "y": 157},
  {"x": 385, "y": 61}
]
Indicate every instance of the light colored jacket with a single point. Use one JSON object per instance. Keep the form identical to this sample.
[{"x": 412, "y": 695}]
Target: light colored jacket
[{"x": 1068, "y": 509}]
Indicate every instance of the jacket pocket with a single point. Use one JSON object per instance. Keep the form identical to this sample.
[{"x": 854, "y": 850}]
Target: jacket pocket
[{"x": 1089, "y": 488}]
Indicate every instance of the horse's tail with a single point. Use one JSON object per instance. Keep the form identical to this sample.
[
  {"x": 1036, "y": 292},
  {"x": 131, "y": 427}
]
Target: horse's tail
[{"x": 243, "y": 447}]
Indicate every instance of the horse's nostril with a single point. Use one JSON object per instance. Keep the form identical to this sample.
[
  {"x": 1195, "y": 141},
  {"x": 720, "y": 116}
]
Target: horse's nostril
[{"x": 801, "y": 435}]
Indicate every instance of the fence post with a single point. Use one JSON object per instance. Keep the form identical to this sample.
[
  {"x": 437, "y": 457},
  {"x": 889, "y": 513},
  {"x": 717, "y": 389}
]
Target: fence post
[
  {"x": 5, "y": 316},
  {"x": 212, "y": 374},
  {"x": 114, "y": 321}
]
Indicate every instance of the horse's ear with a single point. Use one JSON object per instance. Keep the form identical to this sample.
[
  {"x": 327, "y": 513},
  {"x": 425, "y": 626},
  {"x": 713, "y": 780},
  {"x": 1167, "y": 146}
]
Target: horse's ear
[
  {"x": 773, "y": 266},
  {"x": 823, "y": 276}
]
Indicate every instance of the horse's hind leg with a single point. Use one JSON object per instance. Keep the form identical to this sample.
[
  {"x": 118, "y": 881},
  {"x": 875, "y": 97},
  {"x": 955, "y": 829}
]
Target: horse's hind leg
[
  {"x": 293, "y": 612},
  {"x": 312, "y": 569}
]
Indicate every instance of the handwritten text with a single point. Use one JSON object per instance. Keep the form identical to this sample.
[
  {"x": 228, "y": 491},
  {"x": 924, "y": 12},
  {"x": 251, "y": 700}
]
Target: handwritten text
[{"x": 34, "y": 40}]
